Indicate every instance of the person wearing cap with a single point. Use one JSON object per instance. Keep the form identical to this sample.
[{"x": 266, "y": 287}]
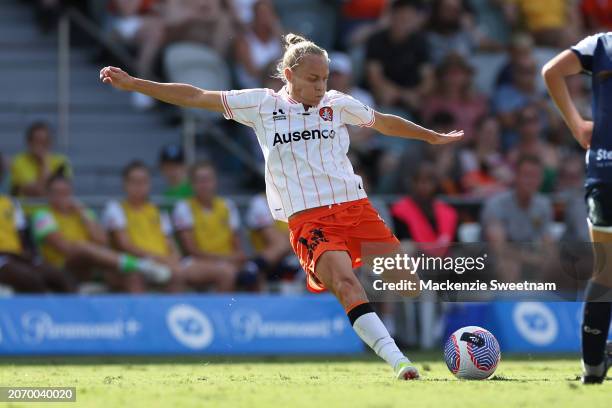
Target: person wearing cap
[{"x": 173, "y": 169}]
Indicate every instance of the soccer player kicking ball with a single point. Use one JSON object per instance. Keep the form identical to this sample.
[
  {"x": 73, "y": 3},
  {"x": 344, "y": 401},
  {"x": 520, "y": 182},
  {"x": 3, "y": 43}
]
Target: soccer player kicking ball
[
  {"x": 310, "y": 182},
  {"x": 592, "y": 55}
]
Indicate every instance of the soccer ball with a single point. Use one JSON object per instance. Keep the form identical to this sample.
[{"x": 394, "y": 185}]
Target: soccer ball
[{"x": 472, "y": 353}]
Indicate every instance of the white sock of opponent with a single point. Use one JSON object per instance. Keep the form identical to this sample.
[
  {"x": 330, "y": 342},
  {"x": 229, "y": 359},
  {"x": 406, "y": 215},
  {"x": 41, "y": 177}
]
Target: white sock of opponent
[{"x": 372, "y": 331}]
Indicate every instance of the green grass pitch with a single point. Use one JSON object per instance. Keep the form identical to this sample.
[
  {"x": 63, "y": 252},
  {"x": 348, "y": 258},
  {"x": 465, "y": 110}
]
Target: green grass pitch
[{"x": 520, "y": 381}]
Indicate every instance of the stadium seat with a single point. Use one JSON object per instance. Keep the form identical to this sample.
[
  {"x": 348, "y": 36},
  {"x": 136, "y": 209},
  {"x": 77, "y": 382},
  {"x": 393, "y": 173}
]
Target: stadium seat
[{"x": 198, "y": 65}]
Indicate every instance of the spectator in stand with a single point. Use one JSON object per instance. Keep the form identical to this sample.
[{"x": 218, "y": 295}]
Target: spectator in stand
[
  {"x": 577, "y": 87},
  {"x": 597, "y": 15},
  {"x": 31, "y": 170},
  {"x": 70, "y": 238},
  {"x": 491, "y": 19},
  {"x": 208, "y": 227},
  {"x": 259, "y": 45},
  {"x": 17, "y": 267},
  {"x": 570, "y": 191},
  {"x": 423, "y": 218},
  {"x": 137, "y": 227},
  {"x": 521, "y": 216},
  {"x": 138, "y": 23},
  {"x": 174, "y": 170},
  {"x": 454, "y": 93},
  {"x": 270, "y": 80},
  {"x": 206, "y": 22},
  {"x": 397, "y": 59},
  {"x": 341, "y": 78},
  {"x": 484, "y": 169},
  {"x": 553, "y": 23},
  {"x": 509, "y": 100},
  {"x": 359, "y": 19},
  {"x": 444, "y": 158},
  {"x": 520, "y": 49},
  {"x": 242, "y": 10},
  {"x": 532, "y": 143},
  {"x": 270, "y": 242},
  {"x": 451, "y": 29}
]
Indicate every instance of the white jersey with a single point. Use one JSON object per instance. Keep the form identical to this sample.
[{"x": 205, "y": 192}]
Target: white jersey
[{"x": 305, "y": 151}]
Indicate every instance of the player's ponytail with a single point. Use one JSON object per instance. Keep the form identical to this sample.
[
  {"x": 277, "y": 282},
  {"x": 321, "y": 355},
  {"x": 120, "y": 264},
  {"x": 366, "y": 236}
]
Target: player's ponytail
[{"x": 296, "y": 47}]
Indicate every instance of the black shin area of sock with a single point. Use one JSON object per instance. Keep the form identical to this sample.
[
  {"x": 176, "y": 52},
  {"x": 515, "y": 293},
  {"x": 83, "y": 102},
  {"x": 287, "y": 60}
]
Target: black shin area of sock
[
  {"x": 595, "y": 326},
  {"x": 358, "y": 311}
]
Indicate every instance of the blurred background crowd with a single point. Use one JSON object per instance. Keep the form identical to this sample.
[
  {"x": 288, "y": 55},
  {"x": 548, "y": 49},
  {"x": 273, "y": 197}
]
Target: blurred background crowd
[{"x": 119, "y": 195}]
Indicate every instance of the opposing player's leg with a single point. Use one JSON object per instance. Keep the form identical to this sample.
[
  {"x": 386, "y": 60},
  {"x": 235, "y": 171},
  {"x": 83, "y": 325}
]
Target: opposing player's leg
[
  {"x": 334, "y": 270},
  {"x": 597, "y": 310}
]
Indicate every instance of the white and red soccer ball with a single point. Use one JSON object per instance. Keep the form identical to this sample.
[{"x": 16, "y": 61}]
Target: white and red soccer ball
[{"x": 472, "y": 353}]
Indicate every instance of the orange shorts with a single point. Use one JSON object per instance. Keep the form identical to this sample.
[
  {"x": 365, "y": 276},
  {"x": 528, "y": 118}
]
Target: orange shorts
[{"x": 338, "y": 227}]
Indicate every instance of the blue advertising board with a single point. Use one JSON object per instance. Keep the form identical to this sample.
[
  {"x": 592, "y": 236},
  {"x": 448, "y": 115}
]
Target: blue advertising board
[
  {"x": 526, "y": 327},
  {"x": 173, "y": 324}
]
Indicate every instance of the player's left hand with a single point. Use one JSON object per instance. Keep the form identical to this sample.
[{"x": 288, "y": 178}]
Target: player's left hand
[{"x": 444, "y": 138}]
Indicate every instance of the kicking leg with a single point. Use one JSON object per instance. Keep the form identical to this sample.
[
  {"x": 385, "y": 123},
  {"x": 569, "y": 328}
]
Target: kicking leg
[{"x": 334, "y": 269}]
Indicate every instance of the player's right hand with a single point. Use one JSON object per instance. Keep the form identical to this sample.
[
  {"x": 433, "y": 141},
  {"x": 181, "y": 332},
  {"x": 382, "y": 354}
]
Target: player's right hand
[
  {"x": 116, "y": 77},
  {"x": 444, "y": 138},
  {"x": 583, "y": 133}
]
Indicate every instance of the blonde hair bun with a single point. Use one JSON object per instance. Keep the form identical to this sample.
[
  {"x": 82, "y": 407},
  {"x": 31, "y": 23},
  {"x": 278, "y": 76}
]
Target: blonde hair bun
[{"x": 292, "y": 39}]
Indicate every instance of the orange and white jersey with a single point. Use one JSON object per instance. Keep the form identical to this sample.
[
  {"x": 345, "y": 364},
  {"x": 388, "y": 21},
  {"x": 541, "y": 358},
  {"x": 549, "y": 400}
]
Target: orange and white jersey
[{"x": 305, "y": 150}]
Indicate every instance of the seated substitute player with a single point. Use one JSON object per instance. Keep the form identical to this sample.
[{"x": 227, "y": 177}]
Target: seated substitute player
[
  {"x": 174, "y": 170},
  {"x": 592, "y": 55},
  {"x": 31, "y": 170},
  {"x": 309, "y": 180},
  {"x": 208, "y": 226},
  {"x": 269, "y": 238},
  {"x": 69, "y": 237},
  {"x": 137, "y": 227},
  {"x": 17, "y": 268}
]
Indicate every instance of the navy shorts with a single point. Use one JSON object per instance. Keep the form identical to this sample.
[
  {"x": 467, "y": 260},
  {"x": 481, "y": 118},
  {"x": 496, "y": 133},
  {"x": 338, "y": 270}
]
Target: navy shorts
[{"x": 599, "y": 206}]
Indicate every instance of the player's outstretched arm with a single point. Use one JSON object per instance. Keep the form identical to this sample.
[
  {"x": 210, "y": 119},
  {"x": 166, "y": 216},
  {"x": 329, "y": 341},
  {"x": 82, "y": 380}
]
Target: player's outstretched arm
[
  {"x": 554, "y": 73},
  {"x": 392, "y": 125},
  {"x": 176, "y": 94}
]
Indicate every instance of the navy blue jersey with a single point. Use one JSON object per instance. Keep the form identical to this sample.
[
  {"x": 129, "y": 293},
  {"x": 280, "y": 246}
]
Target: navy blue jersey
[{"x": 595, "y": 54}]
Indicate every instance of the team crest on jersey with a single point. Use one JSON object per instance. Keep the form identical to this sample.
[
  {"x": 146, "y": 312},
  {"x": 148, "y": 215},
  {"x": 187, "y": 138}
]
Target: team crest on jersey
[{"x": 326, "y": 113}]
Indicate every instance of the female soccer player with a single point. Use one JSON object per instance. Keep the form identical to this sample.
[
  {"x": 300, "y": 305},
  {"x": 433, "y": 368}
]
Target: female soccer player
[
  {"x": 592, "y": 55},
  {"x": 309, "y": 180}
]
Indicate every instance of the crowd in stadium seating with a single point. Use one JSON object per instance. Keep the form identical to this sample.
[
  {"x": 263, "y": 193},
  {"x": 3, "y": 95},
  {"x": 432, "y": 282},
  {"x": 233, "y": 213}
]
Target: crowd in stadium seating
[{"x": 449, "y": 64}]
